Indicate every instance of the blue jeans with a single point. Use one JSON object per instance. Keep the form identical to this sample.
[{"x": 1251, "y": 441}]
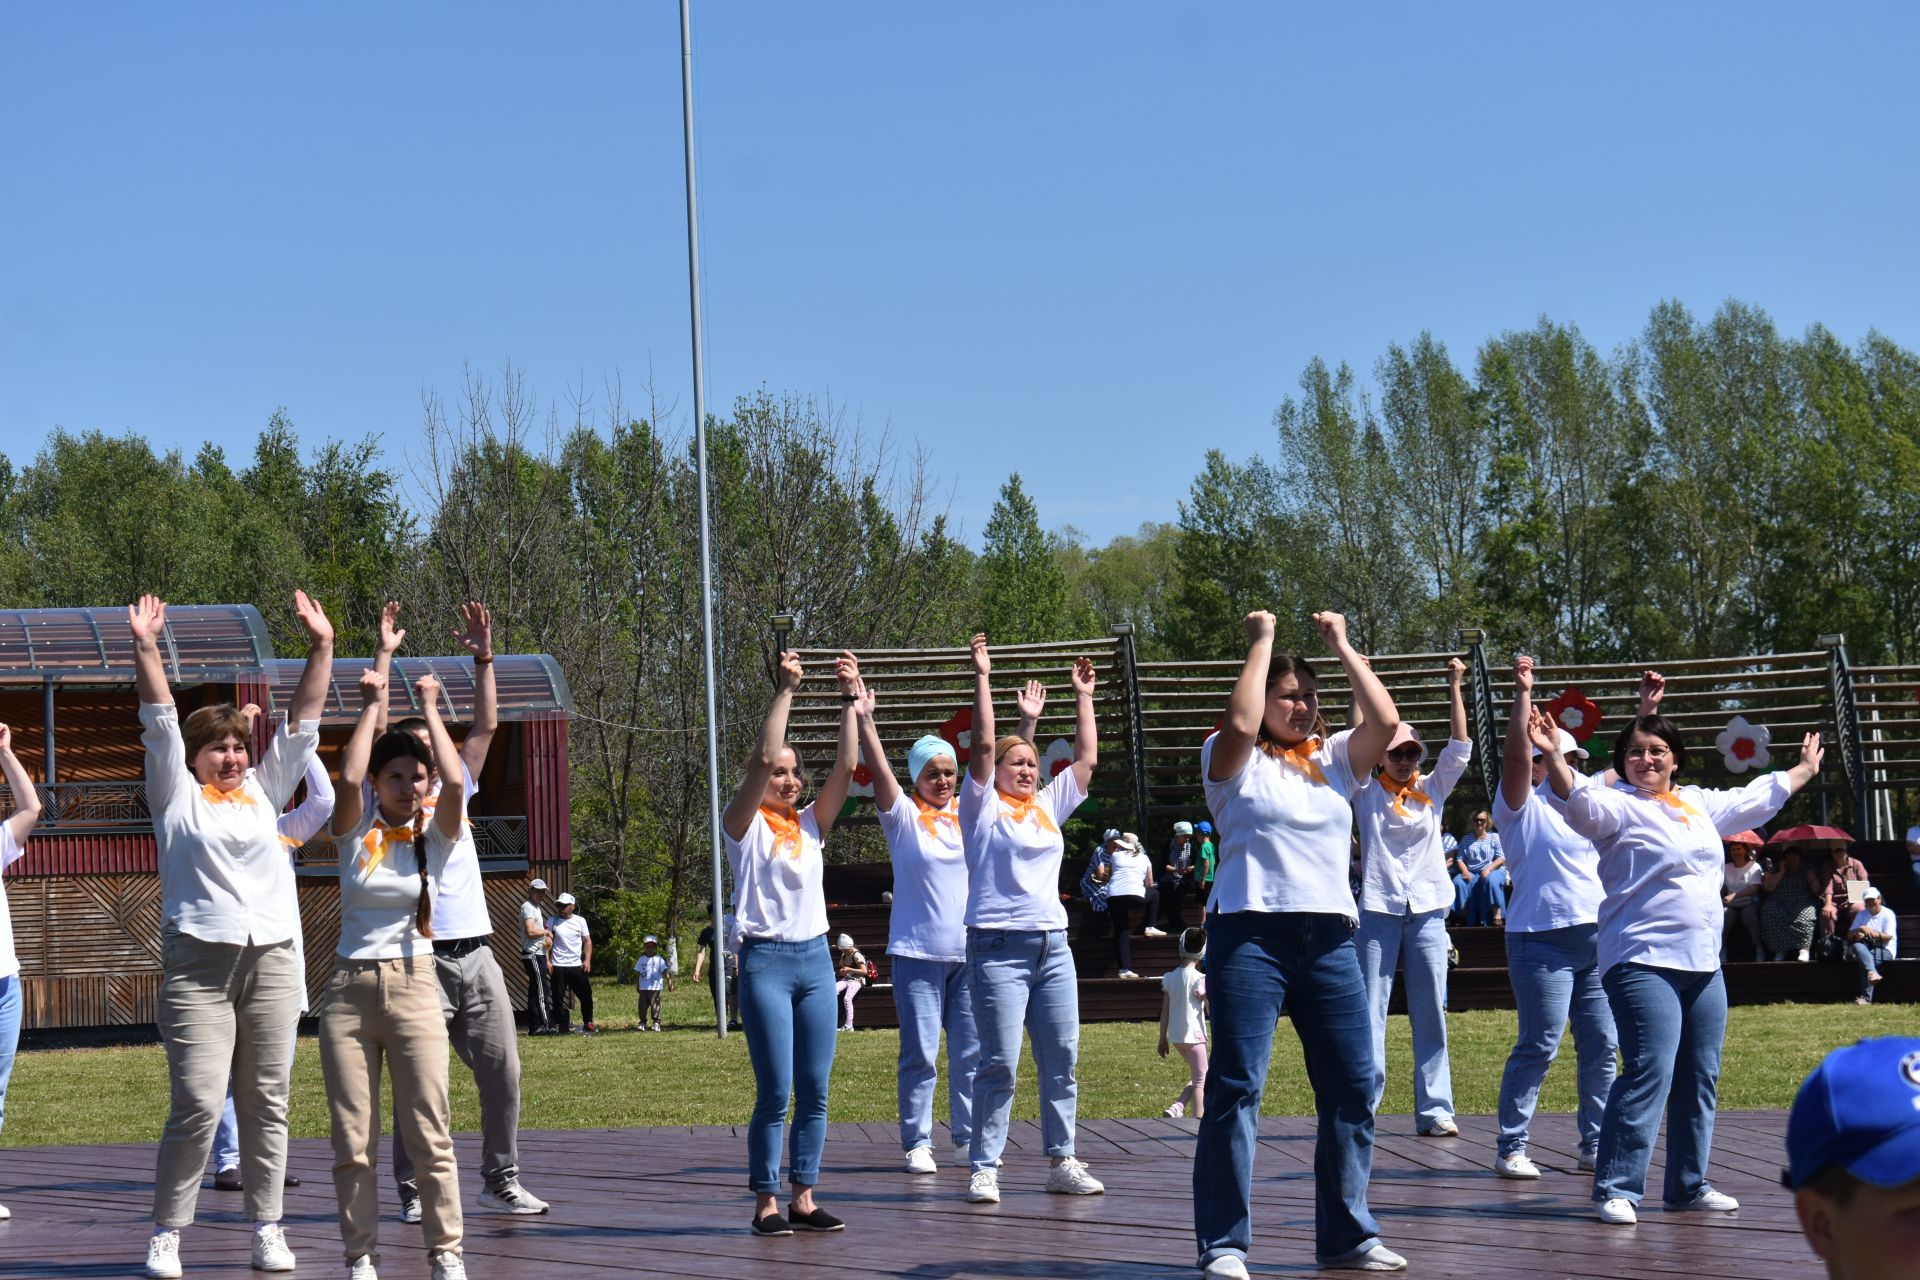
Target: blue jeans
[
  {"x": 1556, "y": 976},
  {"x": 11, "y": 1004},
  {"x": 1023, "y": 977},
  {"x": 1672, "y": 1025},
  {"x": 930, "y": 995},
  {"x": 1477, "y": 897},
  {"x": 1869, "y": 959},
  {"x": 788, "y": 1003},
  {"x": 1257, "y": 963},
  {"x": 1423, "y": 936}
]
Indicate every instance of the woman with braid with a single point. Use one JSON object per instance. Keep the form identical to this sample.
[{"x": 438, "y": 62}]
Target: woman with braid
[{"x": 382, "y": 1000}]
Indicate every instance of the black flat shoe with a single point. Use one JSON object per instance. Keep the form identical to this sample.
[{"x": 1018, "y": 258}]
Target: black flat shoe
[
  {"x": 772, "y": 1225},
  {"x": 226, "y": 1180},
  {"x": 290, "y": 1181},
  {"x": 818, "y": 1220}
]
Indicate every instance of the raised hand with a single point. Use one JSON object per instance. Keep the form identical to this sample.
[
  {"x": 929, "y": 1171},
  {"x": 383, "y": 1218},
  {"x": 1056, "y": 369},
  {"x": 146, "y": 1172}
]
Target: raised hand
[
  {"x": 863, "y": 699},
  {"x": 846, "y": 673},
  {"x": 6, "y": 737},
  {"x": 1811, "y": 752},
  {"x": 1031, "y": 700},
  {"x": 1542, "y": 732},
  {"x": 1456, "y": 671},
  {"x": 1332, "y": 628},
  {"x": 1258, "y": 626},
  {"x": 427, "y": 689},
  {"x": 787, "y": 675},
  {"x": 1083, "y": 677},
  {"x": 1653, "y": 687},
  {"x": 1523, "y": 673},
  {"x": 313, "y": 618},
  {"x": 475, "y": 631},
  {"x": 373, "y": 687},
  {"x": 146, "y": 619},
  {"x": 982, "y": 663},
  {"x": 391, "y": 632},
  {"x": 252, "y": 712}
]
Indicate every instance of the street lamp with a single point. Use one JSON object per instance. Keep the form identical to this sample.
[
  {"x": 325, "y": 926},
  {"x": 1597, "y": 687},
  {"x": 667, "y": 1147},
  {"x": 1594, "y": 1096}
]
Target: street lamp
[{"x": 782, "y": 628}]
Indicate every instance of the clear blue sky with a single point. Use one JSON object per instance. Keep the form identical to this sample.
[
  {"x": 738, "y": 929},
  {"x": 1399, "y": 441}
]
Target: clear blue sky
[{"x": 1086, "y": 242}]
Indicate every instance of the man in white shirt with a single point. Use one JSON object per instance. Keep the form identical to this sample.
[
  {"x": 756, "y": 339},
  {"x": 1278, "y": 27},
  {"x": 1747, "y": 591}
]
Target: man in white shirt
[
  {"x": 571, "y": 961},
  {"x": 1874, "y": 939},
  {"x": 534, "y": 941}
]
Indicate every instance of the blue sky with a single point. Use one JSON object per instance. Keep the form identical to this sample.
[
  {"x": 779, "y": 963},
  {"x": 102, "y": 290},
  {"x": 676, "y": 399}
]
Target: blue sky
[{"x": 1087, "y": 243}]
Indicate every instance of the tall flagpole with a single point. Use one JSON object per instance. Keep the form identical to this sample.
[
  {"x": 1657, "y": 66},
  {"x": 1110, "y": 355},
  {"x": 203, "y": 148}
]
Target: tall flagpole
[{"x": 719, "y": 972}]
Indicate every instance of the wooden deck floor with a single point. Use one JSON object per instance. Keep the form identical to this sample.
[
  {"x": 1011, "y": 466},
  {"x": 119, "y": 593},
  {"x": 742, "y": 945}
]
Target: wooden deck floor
[{"x": 671, "y": 1202}]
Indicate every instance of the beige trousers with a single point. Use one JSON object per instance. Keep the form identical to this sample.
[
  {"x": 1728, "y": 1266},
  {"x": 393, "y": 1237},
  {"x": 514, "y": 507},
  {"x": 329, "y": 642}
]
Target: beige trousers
[
  {"x": 224, "y": 1010},
  {"x": 390, "y": 1009}
]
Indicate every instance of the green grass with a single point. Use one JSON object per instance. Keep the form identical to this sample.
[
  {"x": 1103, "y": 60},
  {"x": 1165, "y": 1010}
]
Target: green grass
[{"x": 687, "y": 1077}]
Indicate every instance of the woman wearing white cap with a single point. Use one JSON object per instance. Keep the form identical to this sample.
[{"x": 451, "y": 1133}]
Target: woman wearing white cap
[
  {"x": 1280, "y": 927},
  {"x": 786, "y": 969},
  {"x": 1659, "y": 949},
  {"x": 1404, "y": 897}
]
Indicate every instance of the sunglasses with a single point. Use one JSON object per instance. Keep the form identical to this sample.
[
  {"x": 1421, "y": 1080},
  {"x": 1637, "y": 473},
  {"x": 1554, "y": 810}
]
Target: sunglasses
[{"x": 1405, "y": 753}]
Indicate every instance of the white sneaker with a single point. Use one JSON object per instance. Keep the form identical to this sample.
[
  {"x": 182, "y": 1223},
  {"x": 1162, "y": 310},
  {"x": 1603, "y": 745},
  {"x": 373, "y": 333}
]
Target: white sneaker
[
  {"x": 1070, "y": 1178},
  {"x": 511, "y": 1197},
  {"x": 1151, "y": 932},
  {"x": 361, "y": 1268},
  {"x": 1516, "y": 1165},
  {"x": 1588, "y": 1159},
  {"x": 1711, "y": 1201},
  {"x": 1805, "y": 956},
  {"x": 5, "y": 1213},
  {"x": 1225, "y": 1267},
  {"x": 270, "y": 1252},
  {"x": 448, "y": 1266},
  {"x": 1378, "y": 1258},
  {"x": 982, "y": 1188},
  {"x": 920, "y": 1160},
  {"x": 1126, "y": 973},
  {"x": 163, "y": 1255},
  {"x": 1618, "y": 1211},
  {"x": 1175, "y": 1110},
  {"x": 1442, "y": 1128},
  {"x": 410, "y": 1209}
]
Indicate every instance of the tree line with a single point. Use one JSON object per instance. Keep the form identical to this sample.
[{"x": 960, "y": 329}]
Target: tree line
[{"x": 1712, "y": 487}]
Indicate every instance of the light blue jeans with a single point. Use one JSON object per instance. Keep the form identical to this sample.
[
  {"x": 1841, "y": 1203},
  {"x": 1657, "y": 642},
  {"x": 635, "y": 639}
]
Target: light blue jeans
[
  {"x": 930, "y": 995},
  {"x": 1423, "y": 937},
  {"x": 1672, "y": 1023},
  {"x": 1259, "y": 962},
  {"x": 1477, "y": 897},
  {"x": 11, "y": 1005},
  {"x": 1556, "y": 976},
  {"x": 1869, "y": 959},
  {"x": 226, "y": 1134},
  {"x": 1023, "y": 977},
  {"x": 788, "y": 1003}
]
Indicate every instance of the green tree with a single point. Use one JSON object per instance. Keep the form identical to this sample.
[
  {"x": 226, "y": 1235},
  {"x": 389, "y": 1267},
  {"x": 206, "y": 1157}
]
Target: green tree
[{"x": 1023, "y": 590}]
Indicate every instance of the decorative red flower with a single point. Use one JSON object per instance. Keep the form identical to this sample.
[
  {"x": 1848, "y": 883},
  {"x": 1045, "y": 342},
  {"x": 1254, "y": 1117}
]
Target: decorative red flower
[
  {"x": 1746, "y": 749},
  {"x": 958, "y": 730},
  {"x": 1575, "y": 712},
  {"x": 862, "y": 776}
]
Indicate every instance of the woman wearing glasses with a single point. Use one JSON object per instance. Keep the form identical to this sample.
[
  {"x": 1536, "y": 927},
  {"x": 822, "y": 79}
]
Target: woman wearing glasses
[{"x": 1404, "y": 897}]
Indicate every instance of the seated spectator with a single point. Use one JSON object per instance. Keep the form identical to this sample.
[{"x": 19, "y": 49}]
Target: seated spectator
[
  {"x": 1791, "y": 906},
  {"x": 1740, "y": 895},
  {"x": 1093, "y": 881},
  {"x": 1480, "y": 876},
  {"x": 1875, "y": 939},
  {"x": 850, "y": 974},
  {"x": 1853, "y": 1158},
  {"x": 1836, "y": 906}
]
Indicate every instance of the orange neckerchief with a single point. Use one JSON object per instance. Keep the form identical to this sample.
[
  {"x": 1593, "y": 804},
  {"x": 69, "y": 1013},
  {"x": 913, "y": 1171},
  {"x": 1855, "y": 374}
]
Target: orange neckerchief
[
  {"x": 238, "y": 795},
  {"x": 1300, "y": 756},
  {"x": 379, "y": 839},
  {"x": 931, "y": 818},
  {"x": 1672, "y": 801},
  {"x": 786, "y": 832},
  {"x": 1410, "y": 791},
  {"x": 1020, "y": 810}
]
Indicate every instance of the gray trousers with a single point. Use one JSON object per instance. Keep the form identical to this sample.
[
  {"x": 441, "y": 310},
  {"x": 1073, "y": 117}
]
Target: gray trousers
[
  {"x": 225, "y": 1009},
  {"x": 480, "y": 1024}
]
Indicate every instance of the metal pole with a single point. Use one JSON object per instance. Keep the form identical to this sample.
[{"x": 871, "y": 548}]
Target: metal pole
[{"x": 706, "y": 531}]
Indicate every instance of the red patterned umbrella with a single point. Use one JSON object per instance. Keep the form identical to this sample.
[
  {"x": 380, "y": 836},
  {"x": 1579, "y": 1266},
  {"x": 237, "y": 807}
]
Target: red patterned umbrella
[
  {"x": 1794, "y": 835},
  {"x": 1751, "y": 838}
]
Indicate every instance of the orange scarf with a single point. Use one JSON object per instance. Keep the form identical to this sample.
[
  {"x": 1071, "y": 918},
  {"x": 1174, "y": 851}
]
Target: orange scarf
[
  {"x": 238, "y": 795},
  {"x": 1020, "y": 810},
  {"x": 381, "y": 838},
  {"x": 1673, "y": 801},
  {"x": 1408, "y": 791},
  {"x": 786, "y": 832},
  {"x": 1299, "y": 756},
  {"x": 931, "y": 818}
]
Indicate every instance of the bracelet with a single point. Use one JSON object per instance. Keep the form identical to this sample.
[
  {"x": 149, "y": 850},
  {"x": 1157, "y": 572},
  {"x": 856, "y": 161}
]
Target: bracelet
[
  {"x": 848, "y": 697},
  {"x": 479, "y": 661}
]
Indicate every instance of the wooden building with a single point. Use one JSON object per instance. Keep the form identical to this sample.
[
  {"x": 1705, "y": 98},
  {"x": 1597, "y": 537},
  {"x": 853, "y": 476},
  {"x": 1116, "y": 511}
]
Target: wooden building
[{"x": 86, "y": 897}]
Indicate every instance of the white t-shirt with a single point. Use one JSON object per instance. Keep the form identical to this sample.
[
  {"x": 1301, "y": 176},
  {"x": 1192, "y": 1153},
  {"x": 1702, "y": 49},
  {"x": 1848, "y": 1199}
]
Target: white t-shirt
[
  {"x": 460, "y": 899},
  {"x": 776, "y": 883},
  {"x": 1186, "y": 1017},
  {"x": 650, "y": 972},
  {"x": 1285, "y": 838},
  {"x": 1403, "y": 868},
  {"x": 224, "y": 875},
  {"x": 531, "y": 946},
  {"x": 380, "y": 889},
  {"x": 929, "y": 917},
  {"x": 1733, "y": 879},
  {"x": 11, "y": 851},
  {"x": 1660, "y": 866},
  {"x": 1129, "y": 878},
  {"x": 569, "y": 940},
  {"x": 1881, "y": 921},
  {"x": 1013, "y": 867},
  {"x": 1553, "y": 872}
]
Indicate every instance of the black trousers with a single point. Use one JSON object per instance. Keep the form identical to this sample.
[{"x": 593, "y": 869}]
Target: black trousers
[
  {"x": 1120, "y": 912},
  {"x": 571, "y": 978},
  {"x": 539, "y": 993},
  {"x": 1173, "y": 906}
]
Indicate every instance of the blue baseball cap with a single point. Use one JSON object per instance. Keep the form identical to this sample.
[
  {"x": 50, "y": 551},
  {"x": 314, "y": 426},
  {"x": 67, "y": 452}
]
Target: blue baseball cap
[{"x": 1860, "y": 1110}]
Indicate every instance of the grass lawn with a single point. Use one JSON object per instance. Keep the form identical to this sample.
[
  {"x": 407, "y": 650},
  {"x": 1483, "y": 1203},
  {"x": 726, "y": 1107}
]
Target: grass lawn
[{"x": 685, "y": 1076}]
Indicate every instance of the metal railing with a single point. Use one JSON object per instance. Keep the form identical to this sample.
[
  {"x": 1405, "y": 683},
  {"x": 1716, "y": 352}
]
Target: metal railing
[{"x": 98, "y": 805}]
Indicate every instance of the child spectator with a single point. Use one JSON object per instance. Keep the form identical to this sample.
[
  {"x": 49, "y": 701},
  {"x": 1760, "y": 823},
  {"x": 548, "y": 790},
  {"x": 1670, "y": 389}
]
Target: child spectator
[
  {"x": 649, "y": 976},
  {"x": 850, "y": 967},
  {"x": 1208, "y": 861},
  {"x": 1875, "y": 939},
  {"x": 1853, "y": 1158},
  {"x": 1183, "y": 1021}
]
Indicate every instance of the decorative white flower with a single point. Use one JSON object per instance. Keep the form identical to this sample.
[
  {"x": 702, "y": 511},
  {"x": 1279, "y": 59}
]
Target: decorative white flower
[
  {"x": 1058, "y": 755},
  {"x": 1744, "y": 746}
]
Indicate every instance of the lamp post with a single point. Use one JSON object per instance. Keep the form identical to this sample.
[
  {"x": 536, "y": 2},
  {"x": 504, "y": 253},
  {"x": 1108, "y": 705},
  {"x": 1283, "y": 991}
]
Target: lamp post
[{"x": 782, "y": 624}]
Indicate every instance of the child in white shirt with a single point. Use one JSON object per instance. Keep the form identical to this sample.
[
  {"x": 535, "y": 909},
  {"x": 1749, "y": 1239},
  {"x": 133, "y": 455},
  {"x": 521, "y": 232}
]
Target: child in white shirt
[
  {"x": 649, "y": 976},
  {"x": 1183, "y": 1021}
]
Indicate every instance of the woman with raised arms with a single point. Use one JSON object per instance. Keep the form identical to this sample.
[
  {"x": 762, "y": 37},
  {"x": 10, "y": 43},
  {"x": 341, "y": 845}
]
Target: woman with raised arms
[{"x": 1280, "y": 930}]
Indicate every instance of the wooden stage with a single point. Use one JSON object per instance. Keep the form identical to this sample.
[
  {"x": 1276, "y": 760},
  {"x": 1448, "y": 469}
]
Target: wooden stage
[{"x": 671, "y": 1202}]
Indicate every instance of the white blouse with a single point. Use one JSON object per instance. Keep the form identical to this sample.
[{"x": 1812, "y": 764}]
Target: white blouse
[
  {"x": 1285, "y": 835},
  {"x": 776, "y": 882},
  {"x": 225, "y": 876},
  {"x": 1403, "y": 868},
  {"x": 928, "y": 921}
]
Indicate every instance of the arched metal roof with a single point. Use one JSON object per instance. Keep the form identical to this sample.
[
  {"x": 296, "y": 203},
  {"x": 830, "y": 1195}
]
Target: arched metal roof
[
  {"x": 530, "y": 687},
  {"x": 201, "y": 643}
]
